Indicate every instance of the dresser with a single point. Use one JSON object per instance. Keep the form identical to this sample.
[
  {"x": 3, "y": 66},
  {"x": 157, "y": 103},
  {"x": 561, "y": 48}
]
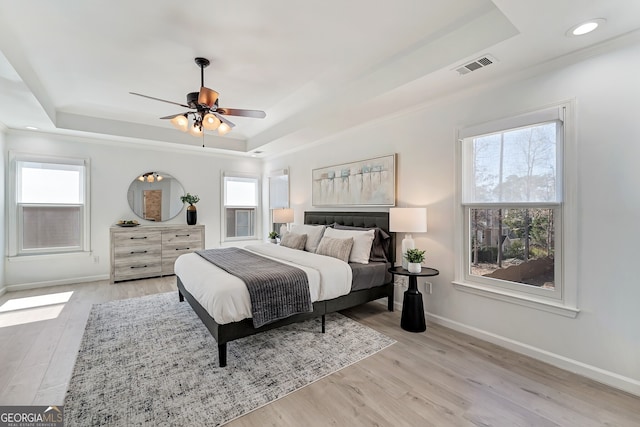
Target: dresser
[{"x": 151, "y": 250}]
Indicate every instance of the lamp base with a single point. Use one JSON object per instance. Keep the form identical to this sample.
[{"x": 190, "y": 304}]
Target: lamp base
[{"x": 407, "y": 243}]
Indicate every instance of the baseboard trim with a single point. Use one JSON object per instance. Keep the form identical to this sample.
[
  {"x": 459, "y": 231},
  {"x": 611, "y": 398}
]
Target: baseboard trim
[
  {"x": 3, "y": 290},
  {"x": 59, "y": 282},
  {"x": 612, "y": 379}
]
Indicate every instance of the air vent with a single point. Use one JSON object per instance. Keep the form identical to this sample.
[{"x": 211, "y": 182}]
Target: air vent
[{"x": 476, "y": 64}]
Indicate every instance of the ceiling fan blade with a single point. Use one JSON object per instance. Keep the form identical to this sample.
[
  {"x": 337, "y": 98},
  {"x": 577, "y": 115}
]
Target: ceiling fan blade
[
  {"x": 173, "y": 116},
  {"x": 207, "y": 97},
  {"x": 158, "y": 99},
  {"x": 256, "y": 114}
]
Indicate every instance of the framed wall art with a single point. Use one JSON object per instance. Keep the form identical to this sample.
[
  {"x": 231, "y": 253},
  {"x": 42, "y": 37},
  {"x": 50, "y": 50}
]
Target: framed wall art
[{"x": 370, "y": 182}]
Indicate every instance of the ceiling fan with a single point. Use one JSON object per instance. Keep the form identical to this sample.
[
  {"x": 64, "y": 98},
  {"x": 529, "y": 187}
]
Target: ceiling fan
[{"x": 206, "y": 113}]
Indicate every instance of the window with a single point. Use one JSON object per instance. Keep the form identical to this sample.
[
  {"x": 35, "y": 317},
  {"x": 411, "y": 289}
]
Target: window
[
  {"x": 278, "y": 194},
  {"x": 512, "y": 177},
  {"x": 51, "y": 215},
  {"x": 241, "y": 204}
]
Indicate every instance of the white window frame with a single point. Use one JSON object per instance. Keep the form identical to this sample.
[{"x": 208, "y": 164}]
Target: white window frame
[
  {"x": 14, "y": 217},
  {"x": 223, "y": 214},
  {"x": 563, "y": 300}
]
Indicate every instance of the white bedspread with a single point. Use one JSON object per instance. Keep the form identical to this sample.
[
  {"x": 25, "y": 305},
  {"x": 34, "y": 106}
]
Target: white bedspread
[{"x": 226, "y": 298}]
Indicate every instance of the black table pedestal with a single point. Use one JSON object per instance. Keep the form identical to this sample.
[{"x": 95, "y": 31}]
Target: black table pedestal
[{"x": 412, "y": 309}]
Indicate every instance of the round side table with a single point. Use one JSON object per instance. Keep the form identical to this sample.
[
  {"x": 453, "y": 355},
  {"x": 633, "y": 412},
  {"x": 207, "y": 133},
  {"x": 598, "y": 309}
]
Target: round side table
[{"x": 412, "y": 308}]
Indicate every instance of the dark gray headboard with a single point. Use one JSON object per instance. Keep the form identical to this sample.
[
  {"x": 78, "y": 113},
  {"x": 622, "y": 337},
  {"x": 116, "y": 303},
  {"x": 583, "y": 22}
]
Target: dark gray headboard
[{"x": 355, "y": 219}]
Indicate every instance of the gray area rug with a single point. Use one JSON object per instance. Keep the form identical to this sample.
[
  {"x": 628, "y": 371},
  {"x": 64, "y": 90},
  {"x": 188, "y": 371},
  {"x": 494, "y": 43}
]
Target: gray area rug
[{"x": 151, "y": 361}]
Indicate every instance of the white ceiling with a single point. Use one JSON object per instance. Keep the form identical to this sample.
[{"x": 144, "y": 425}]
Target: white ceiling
[{"x": 314, "y": 67}]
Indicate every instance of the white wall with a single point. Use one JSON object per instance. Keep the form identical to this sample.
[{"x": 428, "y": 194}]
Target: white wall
[
  {"x": 2, "y": 208},
  {"x": 113, "y": 167},
  {"x": 603, "y": 342}
]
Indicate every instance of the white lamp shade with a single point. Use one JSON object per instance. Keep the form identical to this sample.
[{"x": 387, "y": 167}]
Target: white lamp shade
[
  {"x": 223, "y": 129},
  {"x": 408, "y": 220},
  {"x": 181, "y": 123},
  {"x": 283, "y": 216},
  {"x": 210, "y": 122}
]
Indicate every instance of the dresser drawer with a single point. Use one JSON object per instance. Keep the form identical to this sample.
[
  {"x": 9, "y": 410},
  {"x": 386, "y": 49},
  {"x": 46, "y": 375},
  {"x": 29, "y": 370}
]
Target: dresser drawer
[
  {"x": 137, "y": 238},
  {"x": 137, "y": 267},
  {"x": 180, "y": 237},
  {"x": 176, "y": 243},
  {"x": 137, "y": 251}
]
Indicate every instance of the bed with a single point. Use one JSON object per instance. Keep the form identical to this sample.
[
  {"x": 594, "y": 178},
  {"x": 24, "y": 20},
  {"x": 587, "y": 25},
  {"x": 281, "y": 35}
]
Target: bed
[{"x": 238, "y": 325}]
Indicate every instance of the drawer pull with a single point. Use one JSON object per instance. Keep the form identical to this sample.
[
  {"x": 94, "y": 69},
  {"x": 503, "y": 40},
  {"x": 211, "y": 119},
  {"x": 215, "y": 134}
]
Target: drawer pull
[
  {"x": 182, "y": 249},
  {"x": 183, "y": 235},
  {"x": 139, "y": 252},
  {"x": 138, "y": 266},
  {"x": 138, "y": 238}
]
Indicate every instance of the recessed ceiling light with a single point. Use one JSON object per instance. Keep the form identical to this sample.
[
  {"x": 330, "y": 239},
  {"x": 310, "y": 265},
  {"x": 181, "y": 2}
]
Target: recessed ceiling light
[
  {"x": 31, "y": 127},
  {"x": 585, "y": 27}
]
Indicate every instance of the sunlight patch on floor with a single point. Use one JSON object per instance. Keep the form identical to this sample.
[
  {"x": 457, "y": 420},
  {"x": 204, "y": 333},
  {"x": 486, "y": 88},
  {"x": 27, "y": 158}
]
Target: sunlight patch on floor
[{"x": 33, "y": 309}]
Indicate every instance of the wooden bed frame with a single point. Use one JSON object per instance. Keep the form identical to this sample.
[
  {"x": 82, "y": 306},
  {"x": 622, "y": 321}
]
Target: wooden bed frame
[{"x": 233, "y": 331}]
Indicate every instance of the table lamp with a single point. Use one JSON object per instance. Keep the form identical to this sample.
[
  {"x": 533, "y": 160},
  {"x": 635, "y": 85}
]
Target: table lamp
[
  {"x": 283, "y": 216},
  {"x": 407, "y": 220}
]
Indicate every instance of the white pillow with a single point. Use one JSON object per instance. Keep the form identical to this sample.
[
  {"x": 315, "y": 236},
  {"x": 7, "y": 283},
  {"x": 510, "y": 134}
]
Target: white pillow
[
  {"x": 362, "y": 241},
  {"x": 314, "y": 234}
]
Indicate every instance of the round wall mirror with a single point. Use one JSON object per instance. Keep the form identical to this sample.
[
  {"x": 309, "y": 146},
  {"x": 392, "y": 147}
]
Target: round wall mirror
[{"x": 155, "y": 196}]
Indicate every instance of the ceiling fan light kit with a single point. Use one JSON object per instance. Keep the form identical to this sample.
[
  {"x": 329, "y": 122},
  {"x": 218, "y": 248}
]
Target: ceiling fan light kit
[
  {"x": 181, "y": 122},
  {"x": 210, "y": 122},
  {"x": 224, "y": 129},
  {"x": 207, "y": 114}
]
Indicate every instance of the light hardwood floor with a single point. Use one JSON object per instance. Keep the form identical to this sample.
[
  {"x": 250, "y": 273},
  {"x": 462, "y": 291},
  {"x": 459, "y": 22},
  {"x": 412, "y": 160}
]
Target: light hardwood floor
[{"x": 436, "y": 378}]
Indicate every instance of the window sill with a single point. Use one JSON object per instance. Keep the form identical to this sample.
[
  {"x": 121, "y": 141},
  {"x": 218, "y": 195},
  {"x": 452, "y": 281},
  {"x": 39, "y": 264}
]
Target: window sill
[
  {"x": 520, "y": 299},
  {"x": 42, "y": 257}
]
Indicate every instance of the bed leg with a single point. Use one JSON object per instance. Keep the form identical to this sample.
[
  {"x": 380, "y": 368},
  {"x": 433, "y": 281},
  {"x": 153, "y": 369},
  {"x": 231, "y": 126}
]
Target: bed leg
[
  {"x": 222, "y": 354},
  {"x": 180, "y": 296},
  {"x": 323, "y": 323}
]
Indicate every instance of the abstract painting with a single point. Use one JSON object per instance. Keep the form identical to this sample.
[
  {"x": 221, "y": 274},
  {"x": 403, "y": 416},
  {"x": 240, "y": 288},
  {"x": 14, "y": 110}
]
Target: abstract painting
[{"x": 369, "y": 182}]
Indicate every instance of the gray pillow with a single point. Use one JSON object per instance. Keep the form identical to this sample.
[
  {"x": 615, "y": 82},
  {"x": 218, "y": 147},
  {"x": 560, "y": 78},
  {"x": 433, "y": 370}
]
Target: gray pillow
[
  {"x": 336, "y": 248},
  {"x": 381, "y": 242},
  {"x": 293, "y": 241},
  {"x": 314, "y": 234}
]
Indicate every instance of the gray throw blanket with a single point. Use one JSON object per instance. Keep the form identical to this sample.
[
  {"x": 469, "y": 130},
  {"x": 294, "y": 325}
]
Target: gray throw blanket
[{"x": 276, "y": 290}]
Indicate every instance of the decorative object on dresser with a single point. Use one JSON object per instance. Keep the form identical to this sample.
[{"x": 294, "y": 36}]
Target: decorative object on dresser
[
  {"x": 407, "y": 220},
  {"x": 151, "y": 251},
  {"x": 127, "y": 223},
  {"x": 273, "y": 236},
  {"x": 192, "y": 213},
  {"x": 369, "y": 182}
]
